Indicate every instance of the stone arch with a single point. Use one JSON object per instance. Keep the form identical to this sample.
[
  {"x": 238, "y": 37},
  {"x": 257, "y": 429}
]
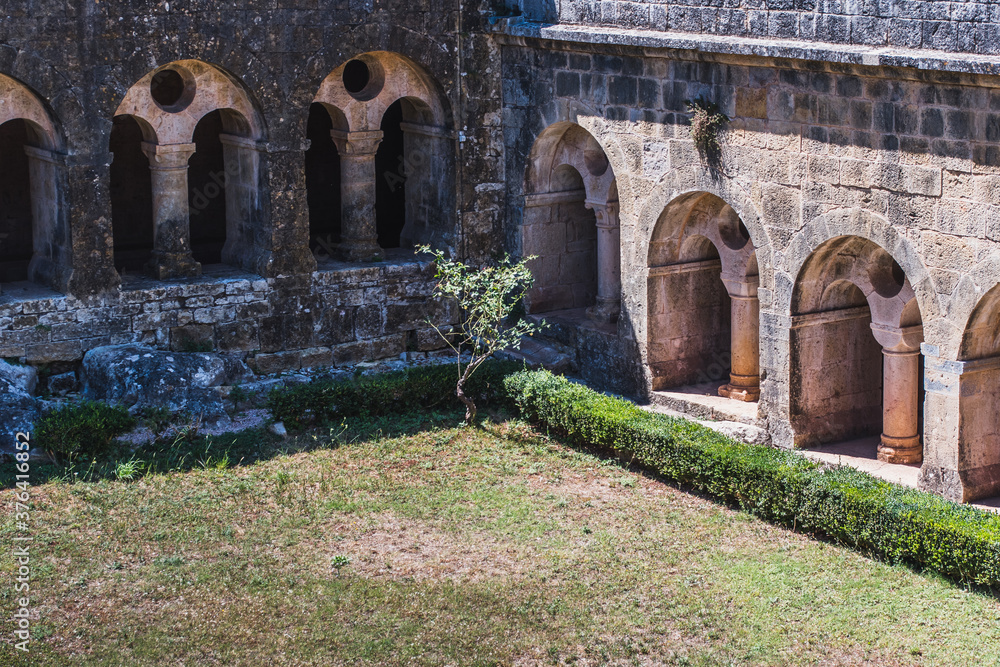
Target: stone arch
[
  {"x": 970, "y": 411},
  {"x": 703, "y": 311},
  {"x": 687, "y": 181},
  {"x": 571, "y": 224},
  {"x": 855, "y": 341},
  {"x": 391, "y": 124},
  {"x": 37, "y": 240},
  {"x": 202, "y": 133},
  {"x": 871, "y": 227}
]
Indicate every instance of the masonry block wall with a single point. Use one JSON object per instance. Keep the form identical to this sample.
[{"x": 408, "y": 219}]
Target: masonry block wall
[
  {"x": 903, "y": 157},
  {"x": 73, "y": 68},
  {"x": 837, "y": 259}
]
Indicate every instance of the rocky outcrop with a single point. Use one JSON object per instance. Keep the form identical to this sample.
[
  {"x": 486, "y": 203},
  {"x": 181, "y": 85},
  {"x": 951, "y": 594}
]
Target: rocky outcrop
[
  {"x": 18, "y": 408},
  {"x": 137, "y": 377}
]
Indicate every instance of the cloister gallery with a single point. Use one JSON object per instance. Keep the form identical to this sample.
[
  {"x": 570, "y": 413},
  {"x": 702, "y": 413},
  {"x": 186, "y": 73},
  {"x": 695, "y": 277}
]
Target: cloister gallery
[{"x": 259, "y": 191}]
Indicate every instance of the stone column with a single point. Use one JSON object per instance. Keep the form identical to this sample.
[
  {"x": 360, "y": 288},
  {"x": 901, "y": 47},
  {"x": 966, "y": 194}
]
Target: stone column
[
  {"x": 51, "y": 242},
  {"x": 358, "y": 235},
  {"x": 744, "y": 333},
  {"x": 168, "y": 167},
  {"x": 609, "y": 276},
  {"x": 900, "y": 393}
]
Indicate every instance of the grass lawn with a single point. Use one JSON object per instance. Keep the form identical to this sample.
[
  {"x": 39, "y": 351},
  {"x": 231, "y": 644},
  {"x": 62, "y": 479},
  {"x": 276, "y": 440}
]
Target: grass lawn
[{"x": 495, "y": 545}]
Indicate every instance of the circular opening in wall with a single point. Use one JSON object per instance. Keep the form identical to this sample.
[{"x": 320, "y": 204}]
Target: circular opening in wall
[
  {"x": 172, "y": 88},
  {"x": 887, "y": 276},
  {"x": 363, "y": 78},
  {"x": 732, "y": 230}
]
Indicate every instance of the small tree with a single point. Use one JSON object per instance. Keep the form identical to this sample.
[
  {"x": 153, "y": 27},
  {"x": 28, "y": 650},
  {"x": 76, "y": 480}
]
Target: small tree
[{"x": 486, "y": 297}]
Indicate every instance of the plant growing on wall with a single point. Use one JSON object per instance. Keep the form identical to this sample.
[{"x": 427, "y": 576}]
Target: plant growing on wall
[
  {"x": 486, "y": 297},
  {"x": 706, "y": 121}
]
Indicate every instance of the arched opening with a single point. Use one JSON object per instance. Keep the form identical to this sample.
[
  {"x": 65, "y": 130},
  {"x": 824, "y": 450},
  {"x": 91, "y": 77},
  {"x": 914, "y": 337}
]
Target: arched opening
[
  {"x": 978, "y": 409},
  {"x": 396, "y": 155},
  {"x": 207, "y": 180},
  {"x": 131, "y": 197},
  {"x": 855, "y": 352},
  {"x": 322, "y": 163},
  {"x": 16, "y": 218},
  {"x": 209, "y": 206},
  {"x": 703, "y": 313},
  {"x": 570, "y": 225},
  {"x": 562, "y": 233},
  {"x": 391, "y": 172}
]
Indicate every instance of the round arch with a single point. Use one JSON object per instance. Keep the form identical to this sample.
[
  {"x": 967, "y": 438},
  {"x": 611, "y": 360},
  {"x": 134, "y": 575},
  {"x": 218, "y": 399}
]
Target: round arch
[
  {"x": 202, "y": 89},
  {"x": 855, "y": 363}
]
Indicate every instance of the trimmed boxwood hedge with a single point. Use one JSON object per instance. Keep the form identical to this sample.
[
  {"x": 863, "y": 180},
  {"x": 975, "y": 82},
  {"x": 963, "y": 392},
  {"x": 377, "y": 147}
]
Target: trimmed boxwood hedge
[
  {"x": 425, "y": 387},
  {"x": 892, "y": 522}
]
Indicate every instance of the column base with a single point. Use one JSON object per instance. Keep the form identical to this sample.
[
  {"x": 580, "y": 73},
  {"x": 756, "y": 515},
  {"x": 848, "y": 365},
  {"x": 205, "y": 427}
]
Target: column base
[
  {"x": 359, "y": 250},
  {"x": 605, "y": 310},
  {"x": 900, "y": 450},
  {"x": 745, "y": 394},
  {"x": 173, "y": 265},
  {"x": 741, "y": 388}
]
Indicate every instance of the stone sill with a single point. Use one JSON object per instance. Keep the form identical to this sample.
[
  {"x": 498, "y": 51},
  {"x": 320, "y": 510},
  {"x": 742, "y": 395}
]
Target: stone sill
[{"x": 848, "y": 54}]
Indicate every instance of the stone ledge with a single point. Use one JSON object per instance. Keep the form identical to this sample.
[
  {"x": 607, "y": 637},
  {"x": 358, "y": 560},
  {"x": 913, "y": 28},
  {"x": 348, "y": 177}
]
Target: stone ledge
[{"x": 848, "y": 54}]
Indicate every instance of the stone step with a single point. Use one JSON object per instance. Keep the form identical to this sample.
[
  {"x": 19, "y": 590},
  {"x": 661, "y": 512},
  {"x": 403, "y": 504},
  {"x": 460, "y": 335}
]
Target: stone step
[
  {"x": 702, "y": 401},
  {"x": 543, "y": 352}
]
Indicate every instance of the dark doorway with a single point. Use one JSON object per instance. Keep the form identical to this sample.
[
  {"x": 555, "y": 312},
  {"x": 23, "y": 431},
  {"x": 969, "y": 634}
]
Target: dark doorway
[
  {"x": 207, "y": 191},
  {"x": 390, "y": 177},
  {"x": 131, "y": 197},
  {"x": 322, "y": 182},
  {"x": 16, "y": 244}
]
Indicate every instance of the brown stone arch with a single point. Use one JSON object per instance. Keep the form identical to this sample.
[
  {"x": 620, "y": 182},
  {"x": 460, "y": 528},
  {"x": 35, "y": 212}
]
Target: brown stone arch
[
  {"x": 702, "y": 309},
  {"x": 855, "y": 362},
  {"x": 970, "y": 410},
  {"x": 570, "y": 224},
  {"x": 35, "y": 239},
  {"x": 202, "y": 134},
  {"x": 392, "y": 127}
]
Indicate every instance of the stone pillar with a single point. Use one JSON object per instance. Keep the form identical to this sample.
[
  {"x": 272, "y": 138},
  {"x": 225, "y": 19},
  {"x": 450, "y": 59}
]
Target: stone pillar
[
  {"x": 900, "y": 393},
  {"x": 358, "y": 235},
  {"x": 51, "y": 242},
  {"x": 609, "y": 276},
  {"x": 168, "y": 167},
  {"x": 744, "y": 326}
]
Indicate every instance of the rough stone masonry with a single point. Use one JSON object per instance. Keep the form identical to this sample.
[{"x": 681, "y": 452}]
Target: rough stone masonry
[{"x": 251, "y": 179}]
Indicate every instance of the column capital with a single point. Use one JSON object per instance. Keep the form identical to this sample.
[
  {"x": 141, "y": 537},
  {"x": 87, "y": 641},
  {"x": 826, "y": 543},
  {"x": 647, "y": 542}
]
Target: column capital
[
  {"x": 357, "y": 144},
  {"x": 741, "y": 287},
  {"x": 898, "y": 340},
  {"x": 606, "y": 212},
  {"x": 168, "y": 156},
  {"x": 45, "y": 155},
  {"x": 240, "y": 142}
]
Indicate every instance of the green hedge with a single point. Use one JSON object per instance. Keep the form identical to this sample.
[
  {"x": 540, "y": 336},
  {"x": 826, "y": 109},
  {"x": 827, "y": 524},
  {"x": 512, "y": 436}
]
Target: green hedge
[
  {"x": 883, "y": 519},
  {"x": 426, "y": 387}
]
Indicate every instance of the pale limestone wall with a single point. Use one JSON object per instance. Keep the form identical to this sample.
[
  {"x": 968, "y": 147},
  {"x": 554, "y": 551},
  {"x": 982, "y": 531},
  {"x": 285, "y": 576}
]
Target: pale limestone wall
[{"x": 903, "y": 157}]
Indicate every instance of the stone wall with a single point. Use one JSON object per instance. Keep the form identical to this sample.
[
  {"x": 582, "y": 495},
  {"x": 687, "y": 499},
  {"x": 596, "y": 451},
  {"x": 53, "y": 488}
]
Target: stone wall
[
  {"x": 902, "y": 159},
  {"x": 340, "y": 315},
  {"x": 967, "y": 27}
]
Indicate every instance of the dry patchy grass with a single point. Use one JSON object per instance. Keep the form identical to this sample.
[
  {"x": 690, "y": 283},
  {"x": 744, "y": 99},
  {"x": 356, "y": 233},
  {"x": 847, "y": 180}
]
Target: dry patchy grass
[{"x": 466, "y": 546}]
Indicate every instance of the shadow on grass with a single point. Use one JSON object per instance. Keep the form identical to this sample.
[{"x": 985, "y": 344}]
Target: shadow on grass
[{"x": 183, "y": 453}]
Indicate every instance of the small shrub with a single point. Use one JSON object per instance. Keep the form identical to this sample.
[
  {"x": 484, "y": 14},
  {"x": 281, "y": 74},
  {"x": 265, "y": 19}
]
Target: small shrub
[
  {"x": 706, "y": 121},
  {"x": 486, "y": 297},
  {"x": 875, "y": 517},
  {"x": 83, "y": 430}
]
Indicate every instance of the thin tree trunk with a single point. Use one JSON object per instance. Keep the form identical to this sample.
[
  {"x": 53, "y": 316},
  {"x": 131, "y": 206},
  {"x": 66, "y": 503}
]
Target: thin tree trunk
[{"x": 470, "y": 406}]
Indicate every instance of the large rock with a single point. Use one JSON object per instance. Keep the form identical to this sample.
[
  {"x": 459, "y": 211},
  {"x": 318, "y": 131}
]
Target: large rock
[
  {"x": 18, "y": 408},
  {"x": 137, "y": 377}
]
